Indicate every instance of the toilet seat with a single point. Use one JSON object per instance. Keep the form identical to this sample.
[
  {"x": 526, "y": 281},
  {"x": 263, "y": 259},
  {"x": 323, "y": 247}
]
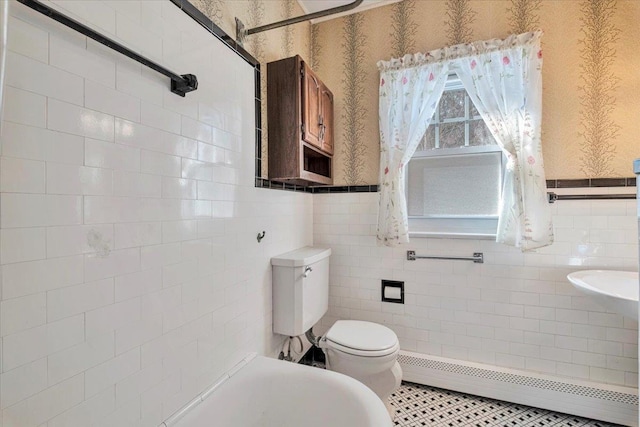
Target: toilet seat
[
  {"x": 362, "y": 353},
  {"x": 361, "y": 338}
]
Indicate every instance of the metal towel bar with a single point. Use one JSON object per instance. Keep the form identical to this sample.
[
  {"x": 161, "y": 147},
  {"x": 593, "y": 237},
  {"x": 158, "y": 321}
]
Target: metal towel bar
[
  {"x": 478, "y": 257},
  {"x": 180, "y": 84},
  {"x": 553, "y": 197}
]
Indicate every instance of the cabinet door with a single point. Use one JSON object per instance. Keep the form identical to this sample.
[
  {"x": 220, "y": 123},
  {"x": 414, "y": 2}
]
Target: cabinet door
[
  {"x": 327, "y": 120},
  {"x": 311, "y": 115}
]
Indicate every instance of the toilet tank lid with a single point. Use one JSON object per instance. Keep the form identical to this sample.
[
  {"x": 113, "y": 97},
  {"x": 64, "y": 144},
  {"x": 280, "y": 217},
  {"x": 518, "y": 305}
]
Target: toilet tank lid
[{"x": 300, "y": 257}]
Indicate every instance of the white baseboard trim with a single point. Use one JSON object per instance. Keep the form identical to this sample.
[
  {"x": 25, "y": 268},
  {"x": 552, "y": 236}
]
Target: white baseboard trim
[{"x": 603, "y": 402}]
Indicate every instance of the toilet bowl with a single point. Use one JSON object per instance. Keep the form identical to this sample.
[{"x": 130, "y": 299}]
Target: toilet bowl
[{"x": 365, "y": 351}]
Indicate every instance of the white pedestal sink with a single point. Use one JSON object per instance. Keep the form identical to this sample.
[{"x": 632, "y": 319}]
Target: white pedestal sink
[{"x": 614, "y": 290}]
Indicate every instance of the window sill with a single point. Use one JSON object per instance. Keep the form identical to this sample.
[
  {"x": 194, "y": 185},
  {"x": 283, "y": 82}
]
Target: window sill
[{"x": 452, "y": 235}]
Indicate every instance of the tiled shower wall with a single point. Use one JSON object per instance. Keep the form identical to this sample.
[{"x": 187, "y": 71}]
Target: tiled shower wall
[
  {"x": 515, "y": 310},
  {"x": 131, "y": 273}
]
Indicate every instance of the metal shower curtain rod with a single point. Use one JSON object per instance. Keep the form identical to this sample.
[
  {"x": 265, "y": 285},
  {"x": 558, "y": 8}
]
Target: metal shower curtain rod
[
  {"x": 180, "y": 84},
  {"x": 242, "y": 32}
]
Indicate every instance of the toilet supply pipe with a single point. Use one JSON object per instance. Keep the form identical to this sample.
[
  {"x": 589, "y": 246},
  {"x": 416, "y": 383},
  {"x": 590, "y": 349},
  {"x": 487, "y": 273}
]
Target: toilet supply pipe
[
  {"x": 287, "y": 343},
  {"x": 313, "y": 339}
]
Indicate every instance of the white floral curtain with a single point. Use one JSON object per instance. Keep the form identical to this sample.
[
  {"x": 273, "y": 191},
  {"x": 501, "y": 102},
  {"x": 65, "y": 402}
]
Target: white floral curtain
[
  {"x": 504, "y": 81},
  {"x": 410, "y": 89}
]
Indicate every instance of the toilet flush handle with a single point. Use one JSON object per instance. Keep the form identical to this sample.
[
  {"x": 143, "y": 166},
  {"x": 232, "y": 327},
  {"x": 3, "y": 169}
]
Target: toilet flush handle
[{"x": 307, "y": 270}]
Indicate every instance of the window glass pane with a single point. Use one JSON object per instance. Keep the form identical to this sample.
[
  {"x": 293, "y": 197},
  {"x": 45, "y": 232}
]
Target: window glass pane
[
  {"x": 452, "y": 135},
  {"x": 479, "y": 134},
  {"x": 452, "y": 104},
  {"x": 428, "y": 141},
  {"x": 415, "y": 187},
  {"x": 461, "y": 185},
  {"x": 473, "y": 111}
]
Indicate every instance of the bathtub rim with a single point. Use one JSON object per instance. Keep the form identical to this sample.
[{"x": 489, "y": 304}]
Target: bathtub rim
[
  {"x": 359, "y": 390},
  {"x": 180, "y": 413}
]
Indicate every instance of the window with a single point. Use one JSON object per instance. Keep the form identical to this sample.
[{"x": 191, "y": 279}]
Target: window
[{"x": 454, "y": 179}]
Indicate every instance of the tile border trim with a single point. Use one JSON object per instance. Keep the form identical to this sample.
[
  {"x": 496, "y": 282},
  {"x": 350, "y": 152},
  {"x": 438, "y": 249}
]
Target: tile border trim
[
  {"x": 325, "y": 189},
  {"x": 591, "y": 182},
  {"x": 374, "y": 188}
]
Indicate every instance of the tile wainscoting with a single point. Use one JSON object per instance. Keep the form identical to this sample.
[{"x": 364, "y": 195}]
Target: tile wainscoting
[
  {"x": 131, "y": 274},
  {"x": 515, "y": 311}
]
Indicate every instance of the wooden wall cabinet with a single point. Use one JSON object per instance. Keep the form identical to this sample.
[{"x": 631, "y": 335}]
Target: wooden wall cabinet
[{"x": 300, "y": 119}]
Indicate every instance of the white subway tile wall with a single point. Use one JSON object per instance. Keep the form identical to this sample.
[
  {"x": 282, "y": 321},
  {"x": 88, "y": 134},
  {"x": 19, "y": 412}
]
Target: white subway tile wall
[
  {"x": 516, "y": 310},
  {"x": 131, "y": 274}
]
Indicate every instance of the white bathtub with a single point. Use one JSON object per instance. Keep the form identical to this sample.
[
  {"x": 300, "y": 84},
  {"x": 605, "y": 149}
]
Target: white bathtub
[{"x": 272, "y": 393}]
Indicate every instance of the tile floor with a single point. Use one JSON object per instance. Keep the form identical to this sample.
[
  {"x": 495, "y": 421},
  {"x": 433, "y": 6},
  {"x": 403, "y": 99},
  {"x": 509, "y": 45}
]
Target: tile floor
[{"x": 419, "y": 405}]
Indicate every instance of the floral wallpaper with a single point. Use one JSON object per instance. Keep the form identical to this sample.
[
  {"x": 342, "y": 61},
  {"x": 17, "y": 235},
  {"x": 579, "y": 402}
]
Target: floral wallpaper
[
  {"x": 211, "y": 8},
  {"x": 459, "y": 20},
  {"x": 287, "y": 32},
  {"x": 316, "y": 47},
  {"x": 524, "y": 15},
  {"x": 403, "y": 28},
  {"x": 591, "y": 83},
  {"x": 598, "y": 85},
  {"x": 590, "y": 75},
  {"x": 354, "y": 110},
  {"x": 255, "y": 43}
]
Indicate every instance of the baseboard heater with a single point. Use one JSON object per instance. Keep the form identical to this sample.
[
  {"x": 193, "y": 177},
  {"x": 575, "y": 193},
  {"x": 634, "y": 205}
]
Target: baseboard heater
[{"x": 603, "y": 402}]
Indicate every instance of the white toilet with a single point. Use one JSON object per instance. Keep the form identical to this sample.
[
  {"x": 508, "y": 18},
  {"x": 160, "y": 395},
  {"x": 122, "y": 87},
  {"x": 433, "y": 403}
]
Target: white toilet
[{"x": 365, "y": 351}]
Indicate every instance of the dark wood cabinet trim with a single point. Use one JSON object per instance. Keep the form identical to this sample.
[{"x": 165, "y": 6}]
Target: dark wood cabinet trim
[
  {"x": 284, "y": 121},
  {"x": 296, "y": 111},
  {"x": 311, "y": 107},
  {"x": 327, "y": 114}
]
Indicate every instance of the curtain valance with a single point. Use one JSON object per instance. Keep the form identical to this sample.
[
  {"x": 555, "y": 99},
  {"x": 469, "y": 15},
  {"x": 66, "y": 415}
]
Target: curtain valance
[{"x": 450, "y": 53}]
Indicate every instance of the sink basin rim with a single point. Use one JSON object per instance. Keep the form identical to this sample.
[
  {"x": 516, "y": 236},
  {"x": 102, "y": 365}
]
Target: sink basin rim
[{"x": 580, "y": 279}]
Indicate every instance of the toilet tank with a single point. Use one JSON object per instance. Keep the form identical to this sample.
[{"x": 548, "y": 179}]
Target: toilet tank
[{"x": 300, "y": 289}]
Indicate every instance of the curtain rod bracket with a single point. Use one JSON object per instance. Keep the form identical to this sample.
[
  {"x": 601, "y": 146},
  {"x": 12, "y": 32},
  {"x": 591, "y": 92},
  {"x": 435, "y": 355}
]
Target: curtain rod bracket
[{"x": 242, "y": 32}]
